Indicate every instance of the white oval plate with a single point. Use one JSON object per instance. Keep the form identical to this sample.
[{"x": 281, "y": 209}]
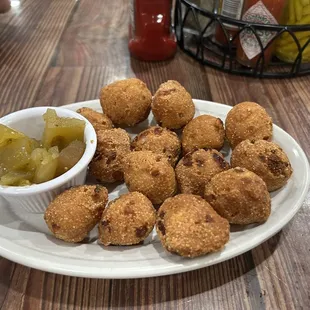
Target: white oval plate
[{"x": 25, "y": 239}]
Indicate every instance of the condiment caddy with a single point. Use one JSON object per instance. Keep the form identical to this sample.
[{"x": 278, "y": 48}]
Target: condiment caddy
[{"x": 260, "y": 38}]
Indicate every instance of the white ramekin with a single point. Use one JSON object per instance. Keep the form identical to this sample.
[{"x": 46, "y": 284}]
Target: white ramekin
[{"x": 35, "y": 198}]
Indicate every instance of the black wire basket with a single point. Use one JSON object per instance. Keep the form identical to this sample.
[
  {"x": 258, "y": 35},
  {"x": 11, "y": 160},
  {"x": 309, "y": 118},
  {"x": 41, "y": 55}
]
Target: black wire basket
[{"x": 194, "y": 28}]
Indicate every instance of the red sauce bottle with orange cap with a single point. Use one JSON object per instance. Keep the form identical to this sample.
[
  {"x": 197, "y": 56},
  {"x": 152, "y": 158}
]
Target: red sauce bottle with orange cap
[{"x": 150, "y": 35}]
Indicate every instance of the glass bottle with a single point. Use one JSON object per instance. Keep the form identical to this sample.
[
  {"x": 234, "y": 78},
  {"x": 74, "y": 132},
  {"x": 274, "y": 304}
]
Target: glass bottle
[
  {"x": 150, "y": 35},
  {"x": 297, "y": 13},
  {"x": 232, "y": 9},
  {"x": 263, "y": 12},
  {"x": 208, "y": 5}
]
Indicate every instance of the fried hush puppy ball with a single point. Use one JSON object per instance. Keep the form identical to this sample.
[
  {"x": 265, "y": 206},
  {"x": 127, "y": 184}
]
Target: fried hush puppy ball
[
  {"x": 172, "y": 105},
  {"x": 188, "y": 226},
  {"x": 112, "y": 146},
  {"x": 126, "y": 102},
  {"x": 97, "y": 119},
  {"x": 127, "y": 220},
  {"x": 150, "y": 174},
  {"x": 240, "y": 196},
  {"x": 158, "y": 140},
  {"x": 197, "y": 168},
  {"x": 204, "y": 131},
  {"x": 264, "y": 158},
  {"x": 75, "y": 212},
  {"x": 247, "y": 120}
]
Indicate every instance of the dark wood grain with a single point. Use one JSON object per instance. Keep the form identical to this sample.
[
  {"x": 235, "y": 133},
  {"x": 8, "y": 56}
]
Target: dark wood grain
[{"x": 63, "y": 51}]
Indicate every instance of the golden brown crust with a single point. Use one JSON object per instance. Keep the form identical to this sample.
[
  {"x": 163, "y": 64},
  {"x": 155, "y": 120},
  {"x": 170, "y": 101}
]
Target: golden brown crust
[
  {"x": 127, "y": 220},
  {"x": 240, "y": 196},
  {"x": 197, "y": 168},
  {"x": 264, "y": 158},
  {"x": 75, "y": 212},
  {"x": 247, "y": 120},
  {"x": 150, "y": 174},
  {"x": 112, "y": 146},
  {"x": 97, "y": 119},
  {"x": 204, "y": 131},
  {"x": 172, "y": 105},
  {"x": 126, "y": 102},
  {"x": 159, "y": 140},
  {"x": 188, "y": 226}
]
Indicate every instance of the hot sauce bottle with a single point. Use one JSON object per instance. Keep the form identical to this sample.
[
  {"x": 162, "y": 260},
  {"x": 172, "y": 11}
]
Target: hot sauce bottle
[
  {"x": 232, "y": 9},
  {"x": 261, "y": 12},
  {"x": 150, "y": 35}
]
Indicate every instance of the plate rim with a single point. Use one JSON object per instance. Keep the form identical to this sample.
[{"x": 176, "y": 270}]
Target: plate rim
[{"x": 32, "y": 261}]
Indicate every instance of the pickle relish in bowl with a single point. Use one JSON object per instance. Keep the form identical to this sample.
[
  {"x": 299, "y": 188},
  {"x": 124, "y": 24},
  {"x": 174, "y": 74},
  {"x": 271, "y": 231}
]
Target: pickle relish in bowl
[
  {"x": 24, "y": 160},
  {"x": 43, "y": 151}
]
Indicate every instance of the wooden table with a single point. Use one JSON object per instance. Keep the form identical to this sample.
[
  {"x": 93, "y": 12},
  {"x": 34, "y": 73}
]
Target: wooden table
[{"x": 63, "y": 51}]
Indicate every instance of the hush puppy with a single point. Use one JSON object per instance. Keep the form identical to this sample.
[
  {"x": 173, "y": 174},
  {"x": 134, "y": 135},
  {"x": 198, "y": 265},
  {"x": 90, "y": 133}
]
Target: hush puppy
[
  {"x": 158, "y": 140},
  {"x": 247, "y": 120},
  {"x": 150, "y": 174},
  {"x": 240, "y": 196},
  {"x": 112, "y": 146},
  {"x": 75, "y": 212},
  {"x": 264, "y": 158},
  {"x": 204, "y": 131},
  {"x": 97, "y": 119},
  {"x": 126, "y": 102},
  {"x": 188, "y": 226},
  {"x": 127, "y": 220},
  {"x": 197, "y": 168},
  {"x": 172, "y": 105}
]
